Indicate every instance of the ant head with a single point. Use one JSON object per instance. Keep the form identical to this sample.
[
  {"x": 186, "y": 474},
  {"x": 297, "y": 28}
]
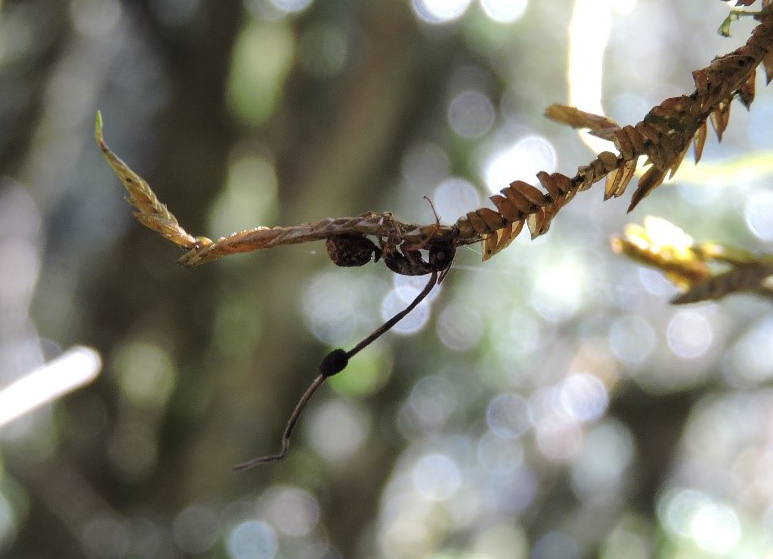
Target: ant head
[{"x": 441, "y": 256}]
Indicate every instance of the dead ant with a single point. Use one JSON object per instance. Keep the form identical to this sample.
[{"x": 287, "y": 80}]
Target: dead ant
[{"x": 353, "y": 249}]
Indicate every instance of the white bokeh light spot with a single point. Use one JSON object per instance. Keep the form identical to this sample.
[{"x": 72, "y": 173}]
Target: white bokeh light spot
[
  {"x": 583, "y": 396},
  {"x": 504, "y": 11},
  {"x": 471, "y": 114},
  {"x": 252, "y": 539},
  {"x": 716, "y": 528},
  {"x": 291, "y": 6},
  {"x": 411, "y": 323},
  {"x": 758, "y": 212},
  {"x": 523, "y": 160},
  {"x": 689, "y": 334},
  {"x": 338, "y": 430},
  {"x": 632, "y": 339},
  {"x": 439, "y": 11},
  {"x": 508, "y": 416},
  {"x": 436, "y": 477},
  {"x": 453, "y": 197}
]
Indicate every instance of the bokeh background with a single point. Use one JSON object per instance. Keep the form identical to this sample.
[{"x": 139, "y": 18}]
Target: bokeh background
[{"x": 548, "y": 403}]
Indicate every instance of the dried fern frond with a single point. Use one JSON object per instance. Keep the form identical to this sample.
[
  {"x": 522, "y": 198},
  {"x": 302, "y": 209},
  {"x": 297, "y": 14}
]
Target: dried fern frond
[
  {"x": 664, "y": 246},
  {"x": 150, "y": 211},
  {"x": 663, "y": 136}
]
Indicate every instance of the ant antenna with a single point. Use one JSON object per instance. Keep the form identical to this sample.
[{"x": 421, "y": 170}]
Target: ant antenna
[{"x": 333, "y": 363}]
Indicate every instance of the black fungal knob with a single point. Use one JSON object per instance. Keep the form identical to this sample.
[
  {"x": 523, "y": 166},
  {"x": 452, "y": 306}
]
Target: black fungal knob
[{"x": 333, "y": 363}]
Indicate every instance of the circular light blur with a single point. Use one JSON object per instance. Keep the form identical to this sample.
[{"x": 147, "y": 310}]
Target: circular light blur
[
  {"x": 555, "y": 298},
  {"x": 751, "y": 358},
  {"x": 408, "y": 287},
  {"x": 414, "y": 321},
  {"x": 508, "y": 416},
  {"x": 460, "y": 327},
  {"x": 607, "y": 452},
  {"x": 632, "y": 339},
  {"x": 678, "y": 507},
  {"x": 471, "y": 114},
  {"x": 252, "y": 539},
  {"x": 504, "y": 11},
  {"x": 424, "y": 165},
  {"x": 291, "y": 6},
  {"x": 758, "y": 213},
  {"x": 453, "y": 197},
  {"x": 146, "y": 373},
  {"x": 716, "y": 528},
  {"x": 501, "y": 540},
  {"x": 559, "y": 438},
  {"x": 195, "y": 529},
  {"x": 331, "y": 308},
  {"x": 527, "y": 157},
  {"x": 293, "y": 511},
  {"x": 583, "y": 396},
  {"x": 689, "y": 334},
  {"x": 436, "y": 477},
  {"x": 433, "y": 400},
  {"x": 439, "y": 11},
  {"x": 498, "y": 456},
  {"x": 338, "y": 429}
]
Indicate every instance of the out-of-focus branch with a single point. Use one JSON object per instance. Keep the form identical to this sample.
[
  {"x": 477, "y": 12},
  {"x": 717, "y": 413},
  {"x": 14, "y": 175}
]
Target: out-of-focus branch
[{"x": 664, "y": 246}]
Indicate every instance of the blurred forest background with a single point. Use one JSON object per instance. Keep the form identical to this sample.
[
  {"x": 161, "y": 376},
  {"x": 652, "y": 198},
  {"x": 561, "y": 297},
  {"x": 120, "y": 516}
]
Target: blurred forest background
[{"x": 546, "y": 404}]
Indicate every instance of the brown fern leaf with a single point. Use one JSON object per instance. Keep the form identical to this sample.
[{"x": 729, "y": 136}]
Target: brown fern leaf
[
  {"x": 150, "y": 211},
  {"x": 746, "y": 91},
  {"x": 647, "y": 183},
  {"x": 678, "y": 161},
  {"x": 501, "y": 239},
  {"x": 767, "y": 63},
  {"x": 539, "y": 222},
  {"x": 700, "y": 141},
  {"x": 599, "y": 125},
  {"x": 720, "y": 117},
  {"x": 556, "y": 184},
  {"x": 480, "y": 222}
]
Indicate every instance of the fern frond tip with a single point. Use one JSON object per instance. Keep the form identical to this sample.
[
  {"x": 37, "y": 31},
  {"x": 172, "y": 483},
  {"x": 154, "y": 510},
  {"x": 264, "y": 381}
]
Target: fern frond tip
[{"x": 98, "y": 127}]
